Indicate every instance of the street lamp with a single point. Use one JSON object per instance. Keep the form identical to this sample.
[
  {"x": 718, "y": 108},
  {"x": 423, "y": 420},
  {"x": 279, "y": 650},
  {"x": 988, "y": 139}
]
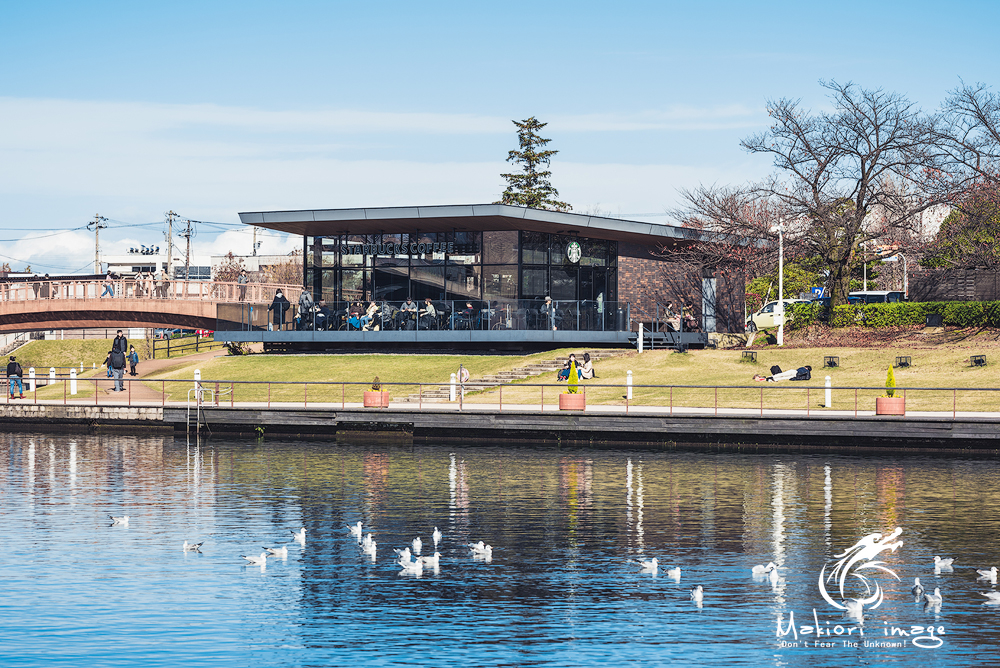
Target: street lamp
[{"x": 779, "y": 309}]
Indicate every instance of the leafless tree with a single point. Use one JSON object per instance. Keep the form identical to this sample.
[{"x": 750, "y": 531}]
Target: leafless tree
[
  {"x": 970, "y": 131},
  {"x": 863, "y": 171}
]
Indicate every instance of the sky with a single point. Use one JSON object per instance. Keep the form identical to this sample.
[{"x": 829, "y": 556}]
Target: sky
[{"x": 208, "y": 109}]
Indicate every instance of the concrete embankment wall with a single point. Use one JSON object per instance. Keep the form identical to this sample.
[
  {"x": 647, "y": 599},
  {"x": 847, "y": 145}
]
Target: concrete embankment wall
[{"x": 649, "y": 431}]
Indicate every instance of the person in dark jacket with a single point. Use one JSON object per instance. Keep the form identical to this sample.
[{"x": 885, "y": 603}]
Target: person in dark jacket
[
  {"x": 133, "y": 359},
  {"x": 802, "y": 373},
  {"x": 116, "y": 364},
  {"x": 14, "y": 374},
  {"x": 120, "y": 343},
  {"x": 279, "y": 306}
]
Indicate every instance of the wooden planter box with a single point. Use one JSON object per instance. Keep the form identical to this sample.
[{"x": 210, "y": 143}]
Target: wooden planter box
[
  {"x": 376, "y": 399},
  {"x": 572, "y": 402},
  {"x": 890, "y": 406}
]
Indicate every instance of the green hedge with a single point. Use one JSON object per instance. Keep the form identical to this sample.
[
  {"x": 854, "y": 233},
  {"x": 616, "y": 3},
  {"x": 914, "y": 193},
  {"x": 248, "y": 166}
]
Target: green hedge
[{"x": 958, "y": 314}]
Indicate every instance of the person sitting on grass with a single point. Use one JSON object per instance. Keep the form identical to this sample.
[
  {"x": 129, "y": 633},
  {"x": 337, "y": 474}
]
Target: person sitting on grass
[
  {"x": 586, "y": 372},
  {"x": 564, "y": 372}
]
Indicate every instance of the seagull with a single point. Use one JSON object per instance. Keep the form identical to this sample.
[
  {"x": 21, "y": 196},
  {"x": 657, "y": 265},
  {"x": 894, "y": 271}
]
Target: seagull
[
  {"x": 918, "y": 589},
  {"x": 772, "y": 575},
  {"x": 193, "y": 547},
  {"x": 123, "y": 520},
  {"x": 935, "y": 598},
  {"x": 855, "y": 607},
  {"x": 648, "y": 565},
  {"x": 257, "y": 561},
  {"x": 403, "y": 554},
  {"x": 674, "y": 573},
  {"x": 990, "y": 575},
  {"x": 412, "y": 567},
  {"x": 697, "y": 594},
  {"x": 281, "y": 552},
  {"x": 367, "y": 541},
  {"x": 481, "y": 550},
  {"x": 369, "y": 548},
  {"x": 761, "y": 570},
  {"x": 300, "y": 535},
  {"x": 436, "y": 537},
  {"x": 433, "y": 562},
  {"x": 993, "y": 596},
  {"x": 355, "y": 530},
  {"x": 417, "y": 545},
  {"x": 943, "y": 563}
]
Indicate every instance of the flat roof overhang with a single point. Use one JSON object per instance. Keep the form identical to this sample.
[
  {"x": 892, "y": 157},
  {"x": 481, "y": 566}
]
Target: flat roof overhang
[{"x": 466, "y": 218}]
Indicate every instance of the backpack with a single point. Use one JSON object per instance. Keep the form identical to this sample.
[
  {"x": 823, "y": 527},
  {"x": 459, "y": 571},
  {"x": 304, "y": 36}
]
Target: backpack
[{"x": 775, "y": 370}]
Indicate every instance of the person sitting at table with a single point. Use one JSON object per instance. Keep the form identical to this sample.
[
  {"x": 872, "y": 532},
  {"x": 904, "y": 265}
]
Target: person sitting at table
[
  {"x": 465, "y": 316},
  {"x": 366, "y": 319},
  {"x": 672, "y": 319},
  {"x": 322, "y": 315},
  {"x": 408, "y": 312},
  {"x": 427, "y": 314},
  {"x": 548, "y": 314},
  {"x": 354, "y": 316}
]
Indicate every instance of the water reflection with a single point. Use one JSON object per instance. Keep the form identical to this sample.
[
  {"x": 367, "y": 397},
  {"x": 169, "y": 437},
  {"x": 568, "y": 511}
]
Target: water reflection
[{"x": 558, "y": 591}]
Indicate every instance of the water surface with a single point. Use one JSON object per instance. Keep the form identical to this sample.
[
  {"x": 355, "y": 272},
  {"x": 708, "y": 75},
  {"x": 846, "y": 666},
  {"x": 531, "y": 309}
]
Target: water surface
[{"x": 559, "y": 591}]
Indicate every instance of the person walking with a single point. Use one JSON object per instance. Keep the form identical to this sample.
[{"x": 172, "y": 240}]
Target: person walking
[
  {"x": 116, "y": 363},
  {"x": 14, "y": 374},
  {"x": 109, "y": 286},
  {"x": 306, "y": 310},
  {"x": 120, "y": 343},
  {"x": 279, "y": 306},
  {"x": 133, "y": 359}
]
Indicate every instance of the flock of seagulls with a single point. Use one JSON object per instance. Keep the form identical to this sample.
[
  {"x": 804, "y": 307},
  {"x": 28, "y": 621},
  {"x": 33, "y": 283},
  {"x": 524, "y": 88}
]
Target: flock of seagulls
[{"x": 411, "y": 562}]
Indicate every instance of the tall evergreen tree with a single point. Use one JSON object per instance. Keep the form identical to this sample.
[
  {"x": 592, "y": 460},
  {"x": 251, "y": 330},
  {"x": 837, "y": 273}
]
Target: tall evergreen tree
[{"x": 531, "y": 187}]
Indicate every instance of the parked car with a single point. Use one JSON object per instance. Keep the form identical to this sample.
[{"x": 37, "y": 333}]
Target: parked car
[
  {"x": 877, "y": 296},
  {"x": 764, "y": 318}
]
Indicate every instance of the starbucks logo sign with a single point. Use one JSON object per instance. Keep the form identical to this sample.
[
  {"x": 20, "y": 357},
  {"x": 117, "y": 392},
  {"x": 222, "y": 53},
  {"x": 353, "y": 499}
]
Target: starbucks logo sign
[{"x": 573, "y": 252}]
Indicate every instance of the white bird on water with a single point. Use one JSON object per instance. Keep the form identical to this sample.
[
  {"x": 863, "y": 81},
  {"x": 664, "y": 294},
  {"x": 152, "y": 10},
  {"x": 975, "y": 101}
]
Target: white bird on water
[
  {"x": 193, "y": 547},
  {"x": 935, "y": 598},
  {"x": 369, "y": 548},
  {"x": 918, "y": 589},
  {"x": 257, "y": 561},
  {"x": 697, "y": 594},
  {"x": 761, "y": 570},
  {"x": 992, "y": 596},
  {"x": 417, "y": 545},
  {"x": 988, "y": 574},
  {"x": 411, "y": 567},
  {"x": 481, "y": 550},
  {"x": 648, "y": 565},
  {"x": 433, "y": 562},
  {"x": 404, "y": 554},
  {"x": 122, "y": 520},
  {"x": 940, "y": 563},
  {"x": 300, "y": 536},
  {"x": 674, "y": 573},
  {"x": 436, "y": 537},
  {"x": 855, "y": 607},
  {"x": 280, "y": 552},
  {"x": 355, "y": 530}
]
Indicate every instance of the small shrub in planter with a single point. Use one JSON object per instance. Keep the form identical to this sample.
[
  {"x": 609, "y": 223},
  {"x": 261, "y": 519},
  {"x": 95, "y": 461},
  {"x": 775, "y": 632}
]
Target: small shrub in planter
[
  {"x": 571, "y": 399},
  {"x": 890, "y": 404}
]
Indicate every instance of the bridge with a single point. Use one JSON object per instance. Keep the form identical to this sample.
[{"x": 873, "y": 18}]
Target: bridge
[{"x": 29, "y": 304}]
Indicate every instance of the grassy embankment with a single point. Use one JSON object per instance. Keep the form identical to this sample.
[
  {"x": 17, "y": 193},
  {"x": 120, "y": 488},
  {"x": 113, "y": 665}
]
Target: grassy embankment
[
  {"x": 63, "y": 354},
  {"x": 943, "y": 364}
]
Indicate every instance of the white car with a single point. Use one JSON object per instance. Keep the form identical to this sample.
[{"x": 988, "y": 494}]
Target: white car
[{"x": 764, "y": 318}]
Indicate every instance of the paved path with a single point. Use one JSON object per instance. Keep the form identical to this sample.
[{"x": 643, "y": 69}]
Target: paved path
[{"x": 137, "y": 392}]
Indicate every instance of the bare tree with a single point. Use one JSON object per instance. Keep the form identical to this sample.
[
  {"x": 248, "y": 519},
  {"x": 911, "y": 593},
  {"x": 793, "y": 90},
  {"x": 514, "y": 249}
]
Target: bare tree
[
  {"x": 970, "y": 131},
  {"x": 863, "y": 171}
]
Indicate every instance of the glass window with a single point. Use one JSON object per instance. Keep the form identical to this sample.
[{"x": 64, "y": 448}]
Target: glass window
[
  {"x": 425, "y": 251},
  {"x": 467, "y": 246},
  {"x": 500, "y": 282},
  {"x": 564, "y": 281},
  {"x": 534, "y": 248},
  {"x": 356, "y": 285},
  {"x": 595, "y": 252},
  {"x": 534, "y": 283},
  {"x": 500, "y": 247},
  {"x": 426, "y": 281},
  {"x": 392, "y": 284},
  {"x": 352, "y": 252},
  {"x": 463, "y": 281},
  {"x": 557, "y": 248}
]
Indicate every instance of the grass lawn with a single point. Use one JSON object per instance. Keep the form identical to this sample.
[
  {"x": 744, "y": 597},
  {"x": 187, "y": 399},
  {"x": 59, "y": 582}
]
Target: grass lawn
[{"x": 400, "y": 374}]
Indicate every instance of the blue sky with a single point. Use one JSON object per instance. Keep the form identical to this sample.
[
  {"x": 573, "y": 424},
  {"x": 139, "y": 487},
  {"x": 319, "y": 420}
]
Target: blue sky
[{"x": 211, "y": 108}]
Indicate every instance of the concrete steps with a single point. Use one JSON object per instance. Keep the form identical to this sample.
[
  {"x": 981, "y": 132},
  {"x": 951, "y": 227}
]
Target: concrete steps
[{"x": 442, "y": 393}]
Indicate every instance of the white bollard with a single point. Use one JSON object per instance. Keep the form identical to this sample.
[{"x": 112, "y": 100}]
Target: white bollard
[
  {"x": 31, "y": 379},
  {"x": 95, "y": 365},
  {"x": 829, "y": 394},
  {"x": 197, "y": 385},
  {"x": 640, "y": 337},
  {"x": 81, "y": 367},
  {"x": 628, "y": 385},
  {"x": 451, "y": 388},
  {"x": 72, "y": 381},
  {"x": 52, "y": 375}
]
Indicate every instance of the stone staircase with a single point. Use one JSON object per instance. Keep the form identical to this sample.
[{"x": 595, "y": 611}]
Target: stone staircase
[{"x": 442, "y": 393}]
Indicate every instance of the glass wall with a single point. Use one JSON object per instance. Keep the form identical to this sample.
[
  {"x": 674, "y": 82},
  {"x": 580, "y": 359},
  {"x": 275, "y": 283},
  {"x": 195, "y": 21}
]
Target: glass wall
[{"x": 476, "y": 266}]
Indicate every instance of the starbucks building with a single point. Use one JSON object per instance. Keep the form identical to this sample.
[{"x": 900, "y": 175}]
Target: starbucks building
[{"x": 602, "y": 276}]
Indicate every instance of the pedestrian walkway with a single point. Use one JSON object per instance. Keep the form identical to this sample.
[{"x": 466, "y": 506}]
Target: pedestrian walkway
[{"x": 138, "y": 392}]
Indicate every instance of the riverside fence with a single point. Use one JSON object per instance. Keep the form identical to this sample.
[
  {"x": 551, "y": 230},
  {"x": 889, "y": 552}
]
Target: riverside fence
[{"x": 687, "y": 399}]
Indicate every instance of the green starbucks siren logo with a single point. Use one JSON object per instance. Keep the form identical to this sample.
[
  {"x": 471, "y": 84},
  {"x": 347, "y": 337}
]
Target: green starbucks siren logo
[{"x": 573, "y": 252}]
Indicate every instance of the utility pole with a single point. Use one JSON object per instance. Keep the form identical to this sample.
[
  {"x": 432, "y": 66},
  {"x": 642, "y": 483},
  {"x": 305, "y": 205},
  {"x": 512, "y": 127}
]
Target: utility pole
[
  {"x": 170, "y": 244},
  {"x": 255, "y": 241},
  {"x": 97, "y": 224},
  {"x": 187, "y": 254}
]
